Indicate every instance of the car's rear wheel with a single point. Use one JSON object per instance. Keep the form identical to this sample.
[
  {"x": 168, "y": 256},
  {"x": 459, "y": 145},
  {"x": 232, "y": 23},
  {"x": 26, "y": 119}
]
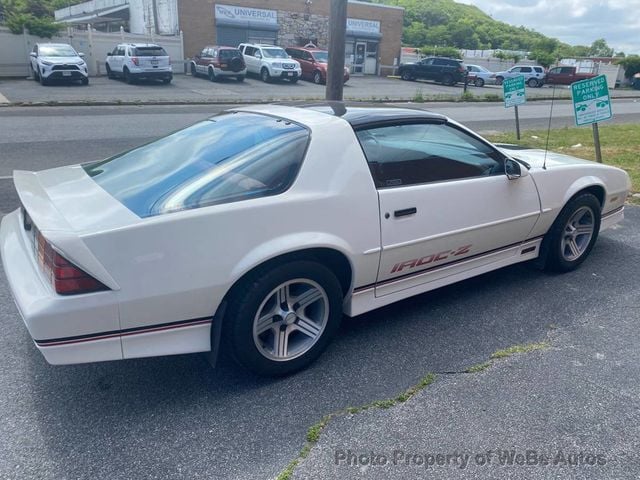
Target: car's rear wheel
[
  {"x": 127, "y": 76},
  {"x": 317, "y": 77},
  {"x": 212, "y": 75},
  {"x": 194, "y": 72},
  {"x": 573, "y": 234},
  {"x": 110, "y": 75},
  {"x": 280, "y": 320},
  {"x": 532, "y": 82},
  {"x": 240, "y": 78},
  {"x": 479, "y": 82},
  {"x": 264, "y": 75},
  {"x": 406, "y": 75},
  {"x": 499, "y": 80},
  {"x": 447, "y": 79}
]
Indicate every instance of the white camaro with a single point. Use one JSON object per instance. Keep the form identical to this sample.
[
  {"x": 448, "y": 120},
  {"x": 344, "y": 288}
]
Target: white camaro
[{"x": 260, "y": 227}]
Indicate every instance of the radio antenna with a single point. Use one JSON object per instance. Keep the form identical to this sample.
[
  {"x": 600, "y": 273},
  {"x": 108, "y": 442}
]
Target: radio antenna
[{"x": 546, "y": 148}]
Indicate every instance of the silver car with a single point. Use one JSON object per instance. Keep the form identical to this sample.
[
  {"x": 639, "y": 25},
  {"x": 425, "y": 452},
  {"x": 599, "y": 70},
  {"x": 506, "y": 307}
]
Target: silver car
[{"x": 480, "y": 76}]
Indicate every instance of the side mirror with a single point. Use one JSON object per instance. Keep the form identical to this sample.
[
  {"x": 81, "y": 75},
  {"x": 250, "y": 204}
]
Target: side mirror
[
  {"x": 514, "y": 170},
  {"x": 258, "y": 55},
  {"x": 33, "y": 54},
  {"x": 109, "y": 54},
  {"x": 81, "y": 55}
]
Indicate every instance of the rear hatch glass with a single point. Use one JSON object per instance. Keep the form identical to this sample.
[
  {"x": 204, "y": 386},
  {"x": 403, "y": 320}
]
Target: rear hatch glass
[
  {"x": 150, "y": 52},
  {"x": 230, "y": 157}
]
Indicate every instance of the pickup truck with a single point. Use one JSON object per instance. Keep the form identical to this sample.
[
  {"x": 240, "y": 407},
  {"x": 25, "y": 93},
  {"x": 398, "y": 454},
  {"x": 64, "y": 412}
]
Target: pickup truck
[{"x": 565, "y": 76}]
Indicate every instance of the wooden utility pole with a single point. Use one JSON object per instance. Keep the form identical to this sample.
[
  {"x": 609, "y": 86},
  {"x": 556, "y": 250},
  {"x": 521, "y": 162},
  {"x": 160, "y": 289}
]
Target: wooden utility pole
[{"x": 337, "y": 37}]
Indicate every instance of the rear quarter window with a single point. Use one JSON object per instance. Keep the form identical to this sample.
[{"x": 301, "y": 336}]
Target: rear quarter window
[{"x": 228, "y": 158}]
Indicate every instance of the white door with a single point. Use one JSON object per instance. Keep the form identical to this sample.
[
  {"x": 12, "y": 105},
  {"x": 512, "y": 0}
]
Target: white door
[{"x": 444, "y": 197}]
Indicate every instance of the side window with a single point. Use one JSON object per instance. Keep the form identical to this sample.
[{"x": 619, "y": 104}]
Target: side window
[
  {"x": 402, "y": 155},
  {"x": 556, "y": 70},
  {"x": 427, "y": 61},
  {"x": 203, "y": 54},
  {"x": 293, "y": 52},
  {"x": 525, "y": 69},
  {"x": 568, "y": 70},
  {"x": 249, "y": 51},
  {"x": 115, "y": 51},
  {"x": 214, "y": 53},
  {"x": 437, "y": 61}
]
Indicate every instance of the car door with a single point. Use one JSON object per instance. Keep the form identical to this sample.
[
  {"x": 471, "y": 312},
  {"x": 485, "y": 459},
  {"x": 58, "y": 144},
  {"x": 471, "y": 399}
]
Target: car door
[
  {"x": 424, "y": 69},
  {"x": 117, "y": 59},
  {"x": 444, "y": 197},
  {"x": 253, "y": 64}
]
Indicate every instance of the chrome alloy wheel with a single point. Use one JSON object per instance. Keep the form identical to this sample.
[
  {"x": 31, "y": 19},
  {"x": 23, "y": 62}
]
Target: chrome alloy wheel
[
  {"x": 577, "y": 234},
  {"x": 291, "y": 319}
]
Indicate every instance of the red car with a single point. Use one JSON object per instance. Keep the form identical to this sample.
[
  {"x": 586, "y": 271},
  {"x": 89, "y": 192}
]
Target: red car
[
  {"x": 313, "y": 62},
  {"x": 217, "y": 62}
]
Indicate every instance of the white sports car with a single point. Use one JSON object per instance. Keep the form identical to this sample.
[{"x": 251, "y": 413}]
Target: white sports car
[{"x": 259, "y": 228}]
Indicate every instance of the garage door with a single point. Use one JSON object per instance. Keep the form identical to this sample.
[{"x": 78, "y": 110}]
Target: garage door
[{"x": 232, "y": 37}]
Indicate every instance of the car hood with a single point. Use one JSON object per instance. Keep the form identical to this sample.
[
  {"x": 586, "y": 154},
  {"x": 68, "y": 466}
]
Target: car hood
[
  {"x": 61, "y": 60},
  {"x": 536, "y": 157}
]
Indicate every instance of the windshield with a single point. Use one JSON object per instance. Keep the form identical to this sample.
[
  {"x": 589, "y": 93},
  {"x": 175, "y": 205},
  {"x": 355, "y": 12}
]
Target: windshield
[
  {"x": 56, "y": 51},
  {"x": 322, "y": 57},
  {"x": 231, "y": 157},
  {"x": 274, "y": 53},
  {"x": 227, "y": 54},
  {"x": 150, "y": 52}
]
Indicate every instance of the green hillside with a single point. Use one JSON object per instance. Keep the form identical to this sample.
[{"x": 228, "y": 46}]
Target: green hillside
[{"x": 451, "y": 24}]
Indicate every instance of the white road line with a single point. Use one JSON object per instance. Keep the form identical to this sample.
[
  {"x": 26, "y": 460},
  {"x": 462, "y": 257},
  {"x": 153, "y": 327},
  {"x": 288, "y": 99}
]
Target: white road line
[{"x": 9, "y": 177}]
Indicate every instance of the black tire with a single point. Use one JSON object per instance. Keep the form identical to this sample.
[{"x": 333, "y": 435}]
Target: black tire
[
  {"x": 35, "y": 75},
  {"x": 479, "y": 82},
  {"x": 447, "y": 79},
  {"x": 240, "y": 78},
  {"x": 194, "y": 72},
  {"x": 317, "y": 77},
  {"x": 212, "y": 75},
  {"x": 552, "y": 245},
  {"x": 406, "y": 76},
  {"x": 532, "y": 82},
  {"x": 293, "y": 80},
  {"x": 166, "y": 81},
  {"x": 43, "y": 81},
  {"x": 110, "y": 75},
  {"x": 127, "y": 76},
  {"x": 264, "y": 75},
  {"x": 85, "y": 81},
  {"x": 249, "y": 295},
  {"x": 499, "y": 80}
]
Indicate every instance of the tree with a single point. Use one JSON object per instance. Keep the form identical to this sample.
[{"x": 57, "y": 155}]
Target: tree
[
  {"x": 631, "y": 64},
  {"x": 599, "y": 48}
]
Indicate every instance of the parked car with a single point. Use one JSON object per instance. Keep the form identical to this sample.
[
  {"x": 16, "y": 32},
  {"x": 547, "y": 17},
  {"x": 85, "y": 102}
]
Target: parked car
[
  {"x": 270, "y": 62},
  {"x": 635, "y": 81},
  {"x": 139, "y": 61},
  {"x": 533, "y": 75},
  {"x": 260, "y": 227},
  {"x": 219, "y": 62},
  {"x": 313, "y": 62},
  {"x": 565, "y": 76},
  {"x": 57, "y": 61},
  {"x": 480, "y": 76},
  {"x": 448, "y": 71}
]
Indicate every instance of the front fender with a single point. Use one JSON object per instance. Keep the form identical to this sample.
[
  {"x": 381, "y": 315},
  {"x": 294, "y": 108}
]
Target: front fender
[{"x": 581, "y": 184}]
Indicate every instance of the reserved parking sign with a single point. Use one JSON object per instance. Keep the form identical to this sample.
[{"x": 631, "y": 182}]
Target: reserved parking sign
[{"x": 591, "y": 102}]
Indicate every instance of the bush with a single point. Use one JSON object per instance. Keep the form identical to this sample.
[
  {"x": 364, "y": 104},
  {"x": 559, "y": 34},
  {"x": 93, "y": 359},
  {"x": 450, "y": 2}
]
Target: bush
[
  {"x": 41, "y": 27},
  {"x": 450, "y": 52},
  {"x": 631, "y": 65}
]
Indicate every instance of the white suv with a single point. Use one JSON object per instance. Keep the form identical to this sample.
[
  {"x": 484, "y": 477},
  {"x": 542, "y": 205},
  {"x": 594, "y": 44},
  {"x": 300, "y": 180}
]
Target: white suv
[
  {"x": 533, "y": 74},
  {"x": 57, "y": 61},
  {"x": 270, "y": 62},
  {"x": 133, "y": 61}
]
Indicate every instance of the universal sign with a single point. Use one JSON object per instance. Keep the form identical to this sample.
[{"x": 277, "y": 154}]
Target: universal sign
[
  {"x": 358, "y": 25},
  {"x": 243, "y": 14}
]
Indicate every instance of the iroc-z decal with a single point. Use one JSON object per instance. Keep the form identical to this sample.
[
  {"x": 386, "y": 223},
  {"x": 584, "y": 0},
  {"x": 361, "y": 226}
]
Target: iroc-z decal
[{"x": 435, "y": 257}]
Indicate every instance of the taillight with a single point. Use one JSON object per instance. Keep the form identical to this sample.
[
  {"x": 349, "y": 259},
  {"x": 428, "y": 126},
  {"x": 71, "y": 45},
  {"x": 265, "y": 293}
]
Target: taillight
[
  {"x": 462, "y": 69},
  {"x": 66, "y": 278},
  {"x": 135, "y": 60}
]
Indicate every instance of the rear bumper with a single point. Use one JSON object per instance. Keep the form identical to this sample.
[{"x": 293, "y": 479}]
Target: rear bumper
[
  {"x": 153, "y": 75},
  {"x": 49, "y": 316},
  {"x": 229, "y": 73}
]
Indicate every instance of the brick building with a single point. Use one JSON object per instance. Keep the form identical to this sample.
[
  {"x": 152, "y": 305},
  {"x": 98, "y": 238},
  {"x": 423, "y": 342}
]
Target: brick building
[{"x": 373, "y": 31}]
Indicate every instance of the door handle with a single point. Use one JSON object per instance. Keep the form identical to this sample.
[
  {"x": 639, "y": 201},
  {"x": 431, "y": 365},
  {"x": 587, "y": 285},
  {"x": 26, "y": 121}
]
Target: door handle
[{"x": 405, "y": 211}]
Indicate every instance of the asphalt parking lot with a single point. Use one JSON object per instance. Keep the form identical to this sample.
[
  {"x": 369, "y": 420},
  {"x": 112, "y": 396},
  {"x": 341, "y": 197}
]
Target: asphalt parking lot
[
  {"x": 174, "y": 417},
  {"x": 186, "y": 89}
]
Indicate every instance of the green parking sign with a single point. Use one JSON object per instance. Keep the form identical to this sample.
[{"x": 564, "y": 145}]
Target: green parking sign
[
  {"x": 514, "y": 92},
  {"x": 591, "y": 102}
]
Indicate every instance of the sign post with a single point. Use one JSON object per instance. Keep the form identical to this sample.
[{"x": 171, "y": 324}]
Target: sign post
[
  {"x": 591, "y": 104},
  {"x": 514, "y": 95}
]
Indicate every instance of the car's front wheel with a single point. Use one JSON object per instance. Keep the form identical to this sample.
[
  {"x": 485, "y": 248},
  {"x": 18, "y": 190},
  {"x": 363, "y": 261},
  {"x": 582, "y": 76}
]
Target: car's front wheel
[
  {"x": 573, "y": 234},
  {"x": 264, "y": 75},
  {"x": 34, "y": 74},
  {"x": 532, "y": 82},
  {"x": 194, "y": 72},
  {"x": 317, "y": 77},
  {"x": 499, "y": 80},
  {"x": 280, "y": 320},
  {"x": 479, "y": 82},
  {"x": 43, "y": 81},
  {"x": 212, "y": 75},
  {"x": 447, "y": 79},
  {"x": 406, "y": 75}
]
